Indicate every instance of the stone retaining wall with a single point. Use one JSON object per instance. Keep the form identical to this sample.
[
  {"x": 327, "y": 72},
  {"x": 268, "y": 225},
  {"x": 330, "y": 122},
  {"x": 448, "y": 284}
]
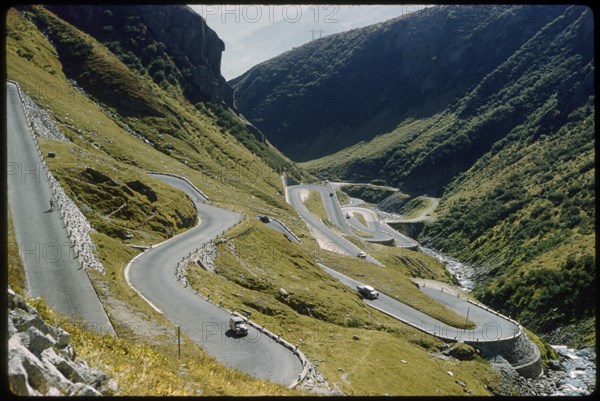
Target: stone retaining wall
[
  {"x": 517, "y": 349},
  {"x": 77, "y": 226},
  {"x": 522, "y": 354}
]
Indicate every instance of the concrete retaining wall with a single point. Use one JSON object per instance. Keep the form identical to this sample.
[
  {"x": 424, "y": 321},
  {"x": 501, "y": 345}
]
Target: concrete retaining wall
[{"x": 411, "y": 230}]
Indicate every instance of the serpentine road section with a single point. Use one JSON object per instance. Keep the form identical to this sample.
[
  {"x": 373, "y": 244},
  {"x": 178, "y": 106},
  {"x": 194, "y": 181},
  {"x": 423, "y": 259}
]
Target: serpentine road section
[
  {"x": 375, "y": 225},
  {"x": 52, "y": 272},
  {"x": 332, "y": 208},
  {"x": 489, "y": 325},
  {"x": 152, "y": 274},
  {"x": 325, "y": 236},
  {"x": 378, "y": 232}
]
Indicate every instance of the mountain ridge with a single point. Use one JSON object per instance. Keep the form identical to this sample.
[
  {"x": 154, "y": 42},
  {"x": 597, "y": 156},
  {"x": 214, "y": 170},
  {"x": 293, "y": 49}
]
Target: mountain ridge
[
  {"x": 397, "y": 64},
  {"x": 140, "y": 35}
]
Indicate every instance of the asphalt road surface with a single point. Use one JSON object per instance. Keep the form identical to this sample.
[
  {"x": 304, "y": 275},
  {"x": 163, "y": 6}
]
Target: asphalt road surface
[
  {"x": 375, "y": 225},
  {"x": 488, "y": 325},
  {"x": 332, "y": 208},
  {"x": 153, "y": 274},
  {"x": 328, "y": 239},
  {"x": 51, "y": 270}
]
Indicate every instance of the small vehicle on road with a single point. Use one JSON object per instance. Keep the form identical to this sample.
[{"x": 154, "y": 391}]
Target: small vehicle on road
[
  {"x": 362, "y": 255},
  {"x": 238, "y": 325},
  {"x": 264, "y": 219},
  {"x": 366, "y": 291}
]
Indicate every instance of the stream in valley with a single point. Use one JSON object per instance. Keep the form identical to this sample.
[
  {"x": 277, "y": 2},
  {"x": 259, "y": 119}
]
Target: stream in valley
[{"x": 574, "y": 373}]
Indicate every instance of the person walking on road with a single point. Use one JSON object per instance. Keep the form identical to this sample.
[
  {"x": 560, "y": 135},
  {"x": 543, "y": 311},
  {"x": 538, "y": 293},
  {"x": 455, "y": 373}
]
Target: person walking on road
[{"x": 51, "y": 204}]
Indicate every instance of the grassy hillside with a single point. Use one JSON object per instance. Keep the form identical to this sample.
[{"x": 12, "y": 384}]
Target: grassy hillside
[
  {"x": 531, "y": 226},
  {"x": 104, "y": 168},
  {"x": 322, "y": 315},
  {"x": 146, "y": 368}
]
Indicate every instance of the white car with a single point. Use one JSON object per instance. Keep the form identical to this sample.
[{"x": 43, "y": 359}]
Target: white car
[
  {"x": 362, "y": 255},
  {"x": 366, "y": 291}
]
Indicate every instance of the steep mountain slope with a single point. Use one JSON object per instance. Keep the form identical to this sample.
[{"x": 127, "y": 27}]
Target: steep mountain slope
[
  {"x": 172, "y": 44},
  {"x": 346, "y": 88},
  {"x": 491, "y": 107},
  {"x": 119, "y": 124}
]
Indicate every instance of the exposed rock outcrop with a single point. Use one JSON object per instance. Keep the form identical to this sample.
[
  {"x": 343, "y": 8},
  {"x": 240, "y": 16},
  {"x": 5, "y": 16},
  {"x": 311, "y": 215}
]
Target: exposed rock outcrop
[
  {"x": 41, "y": 359},
  {"x": 143, "y": 189},
  {"x": 175, "y": 34}
]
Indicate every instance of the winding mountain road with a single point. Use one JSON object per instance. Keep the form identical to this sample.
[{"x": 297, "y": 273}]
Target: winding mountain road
[
  {"x": 489, "y": 326},
  {"x": 423, "y": 215},
  {"x": 51, "y": 270},
  {"x": 332, "y": 208},
  {"x": 152, "y": 274},
  {"x": 375, "y": 230},
  {"x": 325, "y": 236},
  {"x": 278, "y": 226},
  {"x": 375, "y": 225},
  {"x": 53, "y": 274}
]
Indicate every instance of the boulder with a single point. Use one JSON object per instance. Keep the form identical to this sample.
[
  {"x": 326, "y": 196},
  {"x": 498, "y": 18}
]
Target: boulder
[
  {"x": 23, "y": 319},
  {"x": 554, "y": 365},
  {"x": 62, "y": 338},
  {"x": 15, "y": 302},
  {"x": 66, "y": 352},
  {"x": 24, "y": 365},
  {"x": 40, "y": 358},
  {"x": 36, "y": 341},
  {"x": 82, "y": 390},
  {"x": 69, "y": 370},
  {"x": 18, "y": 379},
  {"x": 53, "y": 392},
  {"x": 11, "y": 328}
]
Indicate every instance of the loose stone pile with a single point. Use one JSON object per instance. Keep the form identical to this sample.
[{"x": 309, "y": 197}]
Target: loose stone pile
[{"x": 41, "y": 359}]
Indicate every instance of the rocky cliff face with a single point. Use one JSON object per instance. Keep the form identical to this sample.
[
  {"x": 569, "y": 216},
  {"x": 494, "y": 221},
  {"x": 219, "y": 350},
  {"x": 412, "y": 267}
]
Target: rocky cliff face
[
  {"x": 173, "y": 43},
  {"x": 41, "y": 359}
]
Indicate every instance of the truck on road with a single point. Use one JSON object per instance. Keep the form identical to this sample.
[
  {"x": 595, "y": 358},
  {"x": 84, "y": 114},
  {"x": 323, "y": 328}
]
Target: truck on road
[{"x": 238, "y": 325}]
